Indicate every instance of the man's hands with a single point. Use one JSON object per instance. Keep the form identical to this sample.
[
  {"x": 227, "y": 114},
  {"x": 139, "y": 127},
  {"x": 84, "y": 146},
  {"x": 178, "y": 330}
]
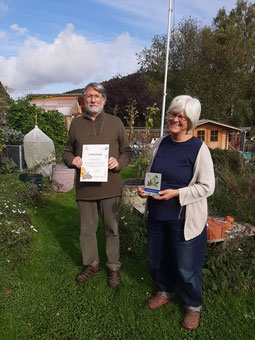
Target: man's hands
[
  {"x": 113, "y": 163},
  {"x": 77, "y": 162}
]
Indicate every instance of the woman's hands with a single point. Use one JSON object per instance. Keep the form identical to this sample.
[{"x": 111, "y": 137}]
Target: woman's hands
[
  {"x": 167, "y": 194},
  {"x": 164, "y": 194},
  {"x": 140, "y": 192}
]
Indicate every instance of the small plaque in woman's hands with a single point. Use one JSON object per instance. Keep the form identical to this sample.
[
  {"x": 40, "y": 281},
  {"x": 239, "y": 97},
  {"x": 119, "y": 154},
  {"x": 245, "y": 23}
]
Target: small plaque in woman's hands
[{"x": 152, "y": 184}]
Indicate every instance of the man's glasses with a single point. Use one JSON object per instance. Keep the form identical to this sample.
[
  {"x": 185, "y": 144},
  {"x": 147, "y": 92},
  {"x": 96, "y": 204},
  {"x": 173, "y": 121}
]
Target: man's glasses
[
  {"x": 96, "y": 97},
  {"x": 179, "y": 116}
]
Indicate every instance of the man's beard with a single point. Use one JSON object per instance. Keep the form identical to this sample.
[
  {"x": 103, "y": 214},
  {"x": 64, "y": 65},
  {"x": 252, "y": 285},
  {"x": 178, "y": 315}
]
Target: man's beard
[{"x": 93, "y": 111}]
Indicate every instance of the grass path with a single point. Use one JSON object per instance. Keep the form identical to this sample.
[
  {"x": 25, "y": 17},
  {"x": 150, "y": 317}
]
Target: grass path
[{"x": 46, "y": 303}]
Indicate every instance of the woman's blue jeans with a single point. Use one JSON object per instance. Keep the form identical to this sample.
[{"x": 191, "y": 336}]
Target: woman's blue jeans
[{"x": 176, "y": 264}]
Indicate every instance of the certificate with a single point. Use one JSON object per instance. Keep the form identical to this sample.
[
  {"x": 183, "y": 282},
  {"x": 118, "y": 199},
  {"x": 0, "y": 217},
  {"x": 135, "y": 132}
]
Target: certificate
[
  {"x": 94, "y": 163},
  {"x": 152, "y": 184}
]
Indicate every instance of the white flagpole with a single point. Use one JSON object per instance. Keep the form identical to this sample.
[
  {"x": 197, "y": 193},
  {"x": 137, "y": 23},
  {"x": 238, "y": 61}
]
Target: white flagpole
[{"x": 166, "y": 69}]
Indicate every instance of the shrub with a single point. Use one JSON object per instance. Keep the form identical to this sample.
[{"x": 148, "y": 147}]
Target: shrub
[
  {"x": 142, "y": 162},
  {"x": 132, "y": 232},
  {"x": 230, "y": 265},
  {"x": 235, "y": 186},
  {"x": 7, "y": 165},
  {"x": 21, "y": 117},
  {"x": 10, "y": 136},
  {"x": 16, "y": 231}
]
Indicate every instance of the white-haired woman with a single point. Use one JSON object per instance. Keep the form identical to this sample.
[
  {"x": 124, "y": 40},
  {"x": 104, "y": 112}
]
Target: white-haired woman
[{"x": 176, "y": 226}]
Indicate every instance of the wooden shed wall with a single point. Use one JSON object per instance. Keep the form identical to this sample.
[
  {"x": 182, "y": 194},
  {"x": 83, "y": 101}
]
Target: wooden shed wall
[{"x": 223, "y": 135}]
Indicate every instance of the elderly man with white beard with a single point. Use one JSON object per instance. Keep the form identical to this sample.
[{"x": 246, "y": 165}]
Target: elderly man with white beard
[{"x": 94, "y": 198}]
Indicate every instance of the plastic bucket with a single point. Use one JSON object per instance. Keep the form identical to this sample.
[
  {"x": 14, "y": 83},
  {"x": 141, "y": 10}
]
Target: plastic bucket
[{"x": 32, "y": 178}]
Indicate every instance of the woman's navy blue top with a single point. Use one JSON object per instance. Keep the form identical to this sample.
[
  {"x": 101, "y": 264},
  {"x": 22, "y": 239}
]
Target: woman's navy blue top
[{"x": 175, "y": 161}]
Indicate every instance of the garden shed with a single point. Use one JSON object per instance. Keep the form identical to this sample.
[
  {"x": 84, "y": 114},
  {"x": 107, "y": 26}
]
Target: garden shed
[
  {"x": 70, "y": 105},
  {"x": 219, "y": 135},
  {"x": 214, "y": 134}
]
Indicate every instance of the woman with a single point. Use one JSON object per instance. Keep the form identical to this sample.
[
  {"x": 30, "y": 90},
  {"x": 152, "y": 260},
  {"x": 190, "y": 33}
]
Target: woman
[{"x": 176, "y": 226}]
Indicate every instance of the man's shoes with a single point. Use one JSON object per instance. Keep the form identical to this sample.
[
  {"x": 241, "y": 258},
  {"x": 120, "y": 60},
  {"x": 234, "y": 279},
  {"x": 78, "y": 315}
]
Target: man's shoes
[
  {"x": 86, "y": 274},
  {"x": 191, "y": 319},
  {"x": 113, "y": 278},
  {"x": 157, "y": 301}
]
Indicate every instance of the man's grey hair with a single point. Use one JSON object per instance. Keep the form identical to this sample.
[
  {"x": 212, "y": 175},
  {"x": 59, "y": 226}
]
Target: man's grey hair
[
  {"x": 96, "y": 86},
  {"x": 190, "y": 106}
]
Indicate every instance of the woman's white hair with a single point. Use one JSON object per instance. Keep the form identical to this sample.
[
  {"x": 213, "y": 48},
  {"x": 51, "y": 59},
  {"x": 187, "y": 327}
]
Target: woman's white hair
[{"x": 190, "y": 106}]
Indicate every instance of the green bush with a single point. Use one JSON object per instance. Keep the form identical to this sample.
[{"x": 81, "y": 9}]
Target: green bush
[
  {"x": 230, "y": 265},
  {"x": 10, "y": 136},
  {"x": 231, "y": 160},
  {"x": 235, "y": 186},
  {"x": 132, "y": 232},
  {"x": 16, "y": 229},
  {"x": 21, "y": 117},
  {"x": 142, "y": 162},
  {"x": 7, "y": 165}
]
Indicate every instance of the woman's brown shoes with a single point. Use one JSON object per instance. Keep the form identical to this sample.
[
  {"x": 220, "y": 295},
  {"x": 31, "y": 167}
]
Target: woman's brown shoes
[
  {"x": 157, "y": 301},
  {"x": 191, "y": 319}
]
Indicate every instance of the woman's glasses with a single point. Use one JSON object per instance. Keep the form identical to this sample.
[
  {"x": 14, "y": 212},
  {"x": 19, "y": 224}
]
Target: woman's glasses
[{"x": 177, "y": 115}]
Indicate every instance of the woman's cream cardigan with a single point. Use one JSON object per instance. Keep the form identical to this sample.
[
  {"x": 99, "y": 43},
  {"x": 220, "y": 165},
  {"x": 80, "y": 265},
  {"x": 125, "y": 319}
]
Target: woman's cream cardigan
[{"x": 194, "y": 196}]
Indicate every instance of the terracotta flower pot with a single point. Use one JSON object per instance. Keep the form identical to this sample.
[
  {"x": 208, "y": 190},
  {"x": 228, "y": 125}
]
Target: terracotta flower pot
[{"x": 62, "y": 179}]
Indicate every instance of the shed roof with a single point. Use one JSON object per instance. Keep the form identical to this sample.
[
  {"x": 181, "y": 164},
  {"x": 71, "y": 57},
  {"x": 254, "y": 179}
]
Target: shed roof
[
  {"x": 63, "y": 103},
  {"x": 205, "y": 121}
]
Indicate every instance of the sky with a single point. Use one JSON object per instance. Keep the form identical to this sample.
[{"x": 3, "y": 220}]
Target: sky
[{"x": 54, "y": 46}]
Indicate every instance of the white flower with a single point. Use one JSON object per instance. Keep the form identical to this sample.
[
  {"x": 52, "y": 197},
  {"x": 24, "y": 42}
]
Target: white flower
[
  {"x": 125, "y": 223},
  {"x": 129, "y": 248},
  {"x": 239, "y": 249},
  {"x": 14, "y": 211},
  {"x": 122, "y": 217},
  {"x": 141, "y": 278}
]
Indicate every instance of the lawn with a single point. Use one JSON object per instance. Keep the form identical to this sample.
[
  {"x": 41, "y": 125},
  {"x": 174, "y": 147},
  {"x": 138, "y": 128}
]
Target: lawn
[{"x": 40, "y": 299}]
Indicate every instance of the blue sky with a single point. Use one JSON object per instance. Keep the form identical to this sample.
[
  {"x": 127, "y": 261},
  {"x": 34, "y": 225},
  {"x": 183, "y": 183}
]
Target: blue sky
[{"x": 53, "y": 46}]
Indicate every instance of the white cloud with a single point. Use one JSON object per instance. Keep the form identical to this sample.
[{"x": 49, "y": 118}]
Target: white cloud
[
  {"x": 3, "y": 7},
  {"x": 20, "y": 30},
  {"x": 71, "y": 58},
  {"x": 2, "y": 34}
]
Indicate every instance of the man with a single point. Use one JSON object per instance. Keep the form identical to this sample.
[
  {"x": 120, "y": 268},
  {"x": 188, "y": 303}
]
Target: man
[{"x": 97, "y": 127}]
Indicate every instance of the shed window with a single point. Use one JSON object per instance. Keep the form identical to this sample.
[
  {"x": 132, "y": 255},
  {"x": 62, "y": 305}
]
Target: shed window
[
  {"x": 201, "y": 135},
  {"x": 214, "y": 136}
]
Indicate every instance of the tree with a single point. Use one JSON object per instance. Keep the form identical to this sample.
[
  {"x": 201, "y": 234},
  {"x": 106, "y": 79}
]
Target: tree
[
  {"x": 4, "y": 98},
  {"x": 214, "y": 64},
  {"x": 121, "y": 91}
]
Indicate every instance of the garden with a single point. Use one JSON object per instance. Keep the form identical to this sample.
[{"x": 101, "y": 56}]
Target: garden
[{"x": 40, "y": 257}]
